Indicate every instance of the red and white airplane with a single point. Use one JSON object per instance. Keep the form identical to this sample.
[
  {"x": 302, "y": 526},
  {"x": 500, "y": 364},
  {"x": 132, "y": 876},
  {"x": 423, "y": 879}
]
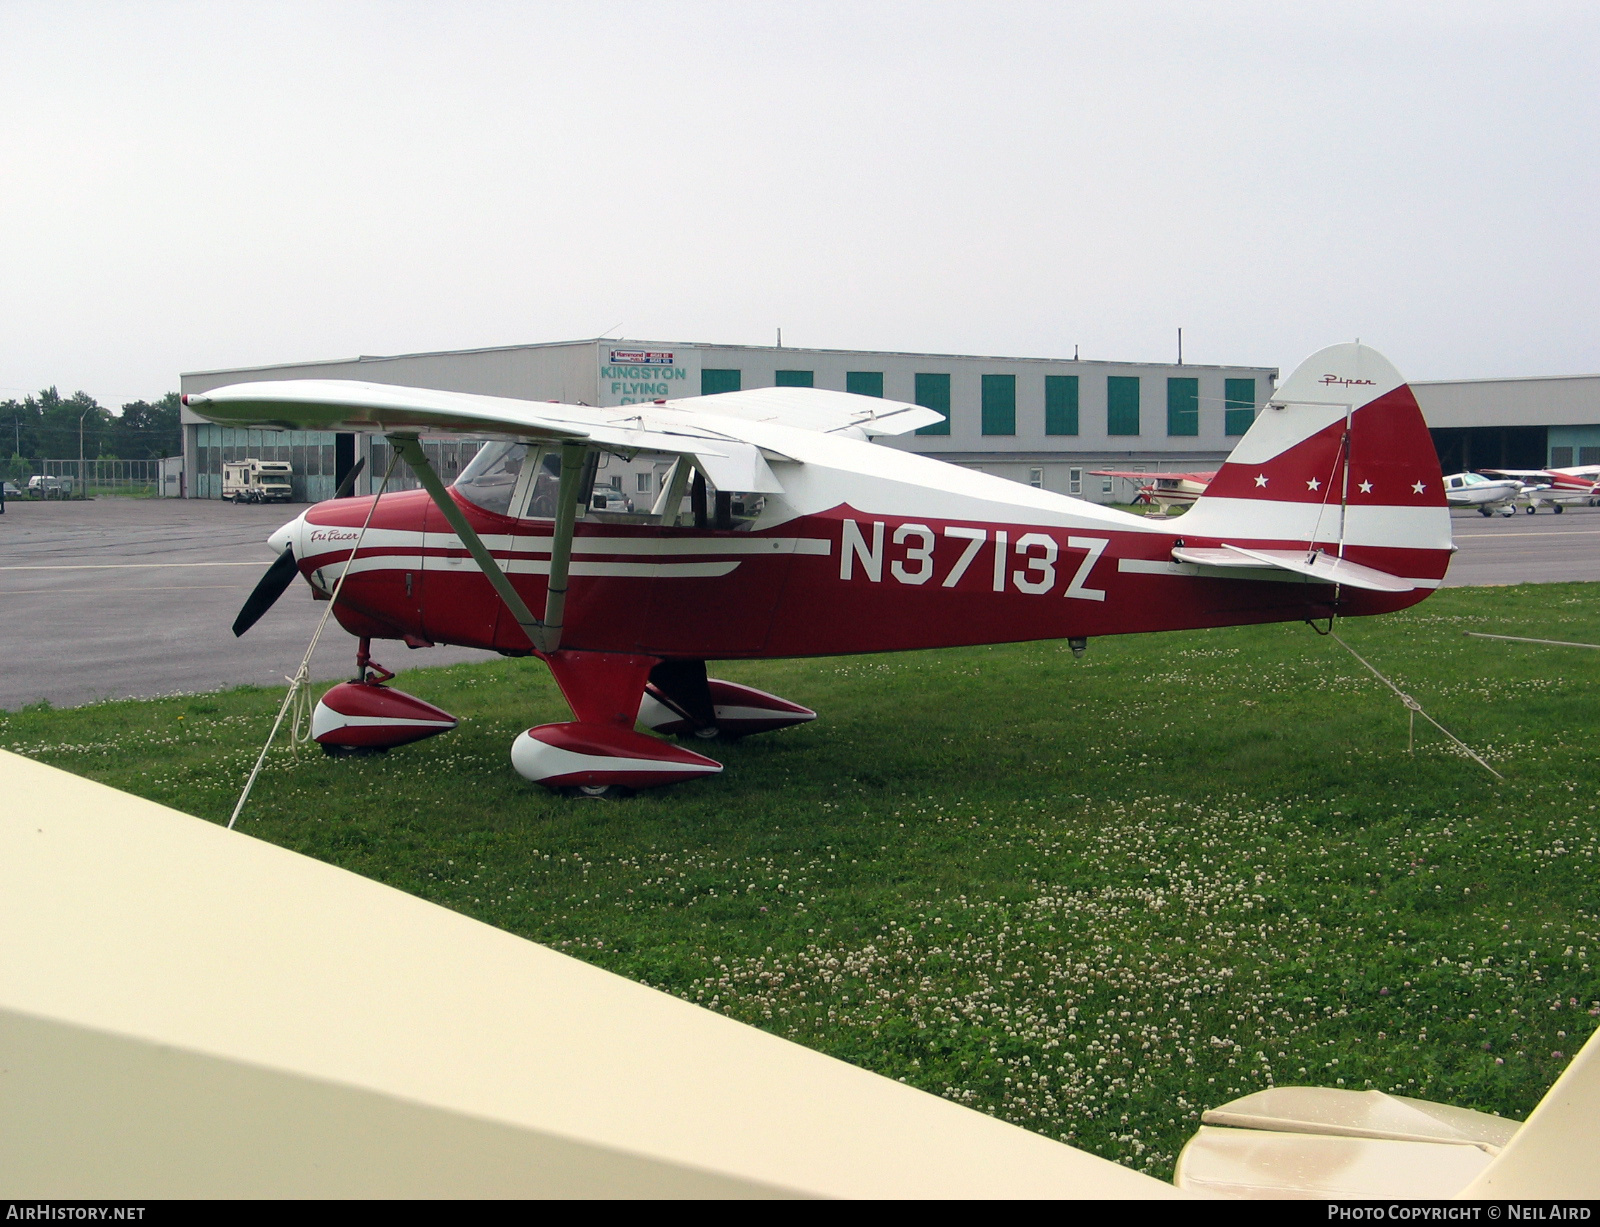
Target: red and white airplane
[
  {"x": 1558, "y": 487},
  {"x": 781, "y": 530},
  {"x": 1165, "y": 490}
]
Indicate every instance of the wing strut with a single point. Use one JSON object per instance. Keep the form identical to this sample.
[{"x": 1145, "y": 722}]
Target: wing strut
[{"x": 544, "y": 635}]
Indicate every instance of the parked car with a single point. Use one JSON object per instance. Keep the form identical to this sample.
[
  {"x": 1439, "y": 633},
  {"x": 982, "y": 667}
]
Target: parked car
[
  {"x": 11, "y": 491},
  {"x": 608, "y": 498},
  {"x": 41, "y": 486}
]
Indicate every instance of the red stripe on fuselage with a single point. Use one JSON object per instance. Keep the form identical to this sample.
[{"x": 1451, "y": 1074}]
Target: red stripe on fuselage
[{"x": 885, "y": 585}]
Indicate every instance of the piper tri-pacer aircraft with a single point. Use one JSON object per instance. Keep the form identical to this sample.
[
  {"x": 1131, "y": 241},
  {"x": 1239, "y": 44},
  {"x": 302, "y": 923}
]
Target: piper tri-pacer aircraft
[{"x": 781, "y": 530}]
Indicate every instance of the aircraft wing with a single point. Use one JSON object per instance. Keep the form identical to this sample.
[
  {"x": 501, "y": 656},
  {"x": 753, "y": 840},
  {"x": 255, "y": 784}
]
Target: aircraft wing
[
  {"x": 1200, "y": 478},
  {"x": 1542, "y": 474},
  {"x": 819, "y": 409},
  {"x": 1313, "y": 564},
  {"x": 350, "y": 405}
]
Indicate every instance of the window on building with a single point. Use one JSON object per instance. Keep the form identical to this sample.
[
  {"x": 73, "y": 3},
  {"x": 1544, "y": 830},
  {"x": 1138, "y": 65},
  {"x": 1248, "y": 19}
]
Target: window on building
[
  {"x": 1239, "y": 397},
  {"x": 999, "y": 404},
  {"x": 794, "y": 379},
  {"x": 1589, "y": 455},
  {"x": 1183, "y": 406},
  {"x": 1060, "y": 404},
  {"x": 864, "y": 383},
  {"x": 1560, "y": 457},
  {"x": 1074, "y": 481},
  {"x": 1036, "y": 478},
  {"x": 933, "y": 392},
  {"x": 645, "y": 483},
  {"x": 1105, "y": 485},
  {"x": 713, "y": 381},
  {"x": 1122, "y": 405}
]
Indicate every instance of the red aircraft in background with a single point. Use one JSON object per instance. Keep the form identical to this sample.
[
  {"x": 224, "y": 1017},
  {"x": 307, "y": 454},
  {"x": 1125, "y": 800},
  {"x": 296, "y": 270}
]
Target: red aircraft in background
[
  {"x": 778, "y": 529},
  {"x": 1164, "y": 490}
]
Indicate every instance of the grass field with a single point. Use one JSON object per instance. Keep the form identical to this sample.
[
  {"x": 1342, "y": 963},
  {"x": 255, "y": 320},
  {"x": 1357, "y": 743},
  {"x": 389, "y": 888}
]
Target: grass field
[{"x": 1092, "y": 897}]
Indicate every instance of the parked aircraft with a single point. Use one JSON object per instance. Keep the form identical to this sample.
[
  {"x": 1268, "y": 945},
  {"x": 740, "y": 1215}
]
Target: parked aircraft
[
  {"x": 780, "y": 530},
  {"x": 1476, "y": 490},
  {"x": 1560, "y": 488},
  {"x": 1165, "y": 490}
]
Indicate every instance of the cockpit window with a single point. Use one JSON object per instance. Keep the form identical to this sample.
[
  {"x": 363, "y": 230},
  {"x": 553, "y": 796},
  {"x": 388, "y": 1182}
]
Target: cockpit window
[
  {"x": 523, "y": 480},
  {"x": 491, "y": 479},
  {"x": 542, "y": 498}
]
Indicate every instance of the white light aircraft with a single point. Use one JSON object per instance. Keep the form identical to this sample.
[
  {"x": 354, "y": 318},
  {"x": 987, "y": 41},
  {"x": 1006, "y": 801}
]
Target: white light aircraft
[{"x": 1488, "y": 496}]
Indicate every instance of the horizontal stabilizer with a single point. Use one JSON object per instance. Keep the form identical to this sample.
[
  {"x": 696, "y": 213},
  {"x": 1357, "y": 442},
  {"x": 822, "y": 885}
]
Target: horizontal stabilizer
[{"x": 1312, "y": 563}]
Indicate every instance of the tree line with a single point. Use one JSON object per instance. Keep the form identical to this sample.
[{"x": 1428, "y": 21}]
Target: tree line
[{"x": 45, "y": 427}]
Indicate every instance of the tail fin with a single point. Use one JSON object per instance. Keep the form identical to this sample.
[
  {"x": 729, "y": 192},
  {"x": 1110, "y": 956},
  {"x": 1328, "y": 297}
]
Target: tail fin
[{"x": 1339, "y": 460}]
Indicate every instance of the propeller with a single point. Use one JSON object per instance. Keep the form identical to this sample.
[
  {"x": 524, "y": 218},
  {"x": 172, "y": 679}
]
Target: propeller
[
  {"x": 349, "y": 482},
  {"x": 272, "y": 585},
  {"x": 281, "y": 573}
]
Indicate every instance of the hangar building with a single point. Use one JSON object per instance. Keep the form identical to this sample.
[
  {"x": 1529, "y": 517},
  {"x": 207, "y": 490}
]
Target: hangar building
[
  {"x": 1530, "y": 423},
  {"x": 1044, "y": 421}
]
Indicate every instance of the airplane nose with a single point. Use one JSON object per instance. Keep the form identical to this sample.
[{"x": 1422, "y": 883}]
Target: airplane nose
[{"x": 286, "y": 536}]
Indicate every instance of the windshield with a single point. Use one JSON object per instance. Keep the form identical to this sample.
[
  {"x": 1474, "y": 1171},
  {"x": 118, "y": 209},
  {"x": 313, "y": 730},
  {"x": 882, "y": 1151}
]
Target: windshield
[{"x": 491, "y": 479}]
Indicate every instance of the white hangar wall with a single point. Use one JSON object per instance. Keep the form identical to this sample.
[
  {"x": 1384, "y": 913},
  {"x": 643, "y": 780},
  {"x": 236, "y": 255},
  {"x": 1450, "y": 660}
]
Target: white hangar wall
[
  {"x": 1513, "y": 423},
  {"x": 1046, "y": 422}
]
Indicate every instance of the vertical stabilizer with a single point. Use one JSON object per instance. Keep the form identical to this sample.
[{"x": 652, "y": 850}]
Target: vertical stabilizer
[{"x": 1341, "y": 460}]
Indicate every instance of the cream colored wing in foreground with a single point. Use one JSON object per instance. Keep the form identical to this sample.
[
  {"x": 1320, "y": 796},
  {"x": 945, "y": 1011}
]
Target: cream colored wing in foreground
[
  {"x": 1319, "y": 1142},
  {"x": 1255, "y": 1163},
  {"x": 186, "y": 1011},
  {"x": 1555, "y": 1152},
  {"x": 1364, "y": 1114}
]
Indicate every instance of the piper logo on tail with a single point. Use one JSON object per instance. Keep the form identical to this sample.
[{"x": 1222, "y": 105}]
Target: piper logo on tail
[{"x": 1347, "y": 383}]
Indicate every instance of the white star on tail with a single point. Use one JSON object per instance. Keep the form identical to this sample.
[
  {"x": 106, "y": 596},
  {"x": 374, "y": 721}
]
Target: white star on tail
[
  {"x": 1313, "y": 484},
  {"x": 1261, "y": 479},
  {"x": 1417, "y": 487},
  {"x": 1366, "y": 487}
]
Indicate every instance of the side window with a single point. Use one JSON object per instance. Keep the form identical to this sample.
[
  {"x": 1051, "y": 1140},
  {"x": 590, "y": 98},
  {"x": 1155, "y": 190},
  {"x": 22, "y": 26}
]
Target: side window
[
  {"x": 491, "y": 479},
  {"x": 545, "y": 487}
]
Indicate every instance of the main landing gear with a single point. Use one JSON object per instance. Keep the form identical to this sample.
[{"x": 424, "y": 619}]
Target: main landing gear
[
  {"x": 366, "y": 716},
  {"x": 601, "y": 755}
]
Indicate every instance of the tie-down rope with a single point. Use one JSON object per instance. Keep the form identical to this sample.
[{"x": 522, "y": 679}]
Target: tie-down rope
[
  {"x": 302, "y": 677},
  {"x": 1415, "y": 710}
]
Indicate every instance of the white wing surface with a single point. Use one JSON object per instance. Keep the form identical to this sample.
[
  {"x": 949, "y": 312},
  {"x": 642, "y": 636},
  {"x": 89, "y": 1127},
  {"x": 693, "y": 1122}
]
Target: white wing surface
[
  {"x": 349, "y": 405},
  {"x": 819, "y": 409}
]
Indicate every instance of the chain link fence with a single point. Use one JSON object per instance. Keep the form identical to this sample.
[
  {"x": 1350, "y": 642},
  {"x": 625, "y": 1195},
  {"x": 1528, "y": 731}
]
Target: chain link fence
[{"x": 82, "y": 478}]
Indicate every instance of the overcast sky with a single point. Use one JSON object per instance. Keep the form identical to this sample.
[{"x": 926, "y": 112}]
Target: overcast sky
[{"x": 189, "y": 187}]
